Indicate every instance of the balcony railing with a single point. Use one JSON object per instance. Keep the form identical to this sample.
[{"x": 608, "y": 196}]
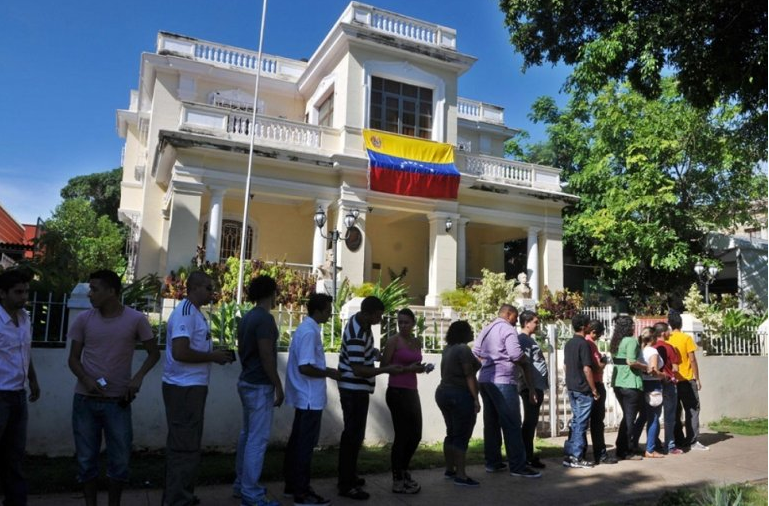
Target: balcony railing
[
  {"x": 400, "y": 26},
  {"x": 228, "y": 123},
  {"x": 224, "y": 56},
  {"x": 480, "y": 111},
  {"x": 502, "y": 170}
]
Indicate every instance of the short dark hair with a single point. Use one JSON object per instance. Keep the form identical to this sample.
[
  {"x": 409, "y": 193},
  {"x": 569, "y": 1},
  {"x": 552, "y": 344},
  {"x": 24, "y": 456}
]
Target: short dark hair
[
  {"x": 460, "y": 332},
  {"x": 596, "y": 326},
  {"x": 674, "y": 320},
  {"x": 371, "y": 305},
  {"x": 526, "y": 317},
  {"x": 407, "y": 312},
  {"x": 12, "y": 277},
  {"x": 659, "y": 328},
  {"x": 318, "y": 302},
  {"x": 579, "y": 321},
  {"x": 109, "y": 278},
  {"x": 261, "y": 287},
  {"x": 196, "y": 279}
]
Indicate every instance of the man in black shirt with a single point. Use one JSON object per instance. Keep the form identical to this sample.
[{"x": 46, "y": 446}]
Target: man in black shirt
[{"x": 578, "y": 363}]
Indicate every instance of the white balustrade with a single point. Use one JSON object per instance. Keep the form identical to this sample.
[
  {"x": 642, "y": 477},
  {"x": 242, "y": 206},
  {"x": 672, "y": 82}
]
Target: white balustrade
[
  {"x": 401, "y": 26},
  {"x": 227, "y": 56},
  {"x": 499, "y": 170},
  {"x": 480, "y": 111}
]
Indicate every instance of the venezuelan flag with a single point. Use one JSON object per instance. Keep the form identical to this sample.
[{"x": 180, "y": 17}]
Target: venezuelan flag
[{"x": 410, "y": 166}]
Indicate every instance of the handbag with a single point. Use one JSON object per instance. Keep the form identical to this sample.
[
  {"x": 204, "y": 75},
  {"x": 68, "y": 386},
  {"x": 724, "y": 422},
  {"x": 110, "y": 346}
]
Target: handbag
[{"x": 654, "y": 398}]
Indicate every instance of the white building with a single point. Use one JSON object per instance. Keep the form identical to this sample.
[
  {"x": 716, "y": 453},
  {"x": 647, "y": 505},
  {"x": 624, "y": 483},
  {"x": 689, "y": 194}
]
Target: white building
[{"x": 187, "y": 134}]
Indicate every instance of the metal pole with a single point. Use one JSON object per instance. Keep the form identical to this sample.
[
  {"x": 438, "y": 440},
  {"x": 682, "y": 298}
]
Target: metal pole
[
  {"x": 707, "y": 292},
  {"x": 247, "y": 196}
]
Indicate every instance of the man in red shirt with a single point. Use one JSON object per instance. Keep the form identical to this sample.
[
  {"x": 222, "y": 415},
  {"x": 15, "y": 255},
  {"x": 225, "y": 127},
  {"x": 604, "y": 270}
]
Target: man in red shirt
[
  {"x": 595, "y": 329},
  {"x": 671, "y": 359}
]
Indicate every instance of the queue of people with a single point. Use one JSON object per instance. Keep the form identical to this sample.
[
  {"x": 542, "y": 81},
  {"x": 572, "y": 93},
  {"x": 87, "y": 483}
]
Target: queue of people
[{"x": 654, "y": 375}]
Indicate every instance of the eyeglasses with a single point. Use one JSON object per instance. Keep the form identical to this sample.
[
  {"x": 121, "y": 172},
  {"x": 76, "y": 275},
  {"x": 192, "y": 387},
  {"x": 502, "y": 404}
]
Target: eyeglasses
[{"x": 210, "y": 288}]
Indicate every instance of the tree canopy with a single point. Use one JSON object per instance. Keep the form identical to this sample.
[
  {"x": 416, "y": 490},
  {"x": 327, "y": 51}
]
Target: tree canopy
[
  {"x": 716, "y": 49},
  {"x": 78, "y": 241},
  {"x": 653, "y": 176},
  {"x": 101, "y": 189}
]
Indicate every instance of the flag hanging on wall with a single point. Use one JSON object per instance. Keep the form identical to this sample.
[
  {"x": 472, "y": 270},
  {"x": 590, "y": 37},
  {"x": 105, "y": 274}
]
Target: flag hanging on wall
[{"x": 410, "y": 166}]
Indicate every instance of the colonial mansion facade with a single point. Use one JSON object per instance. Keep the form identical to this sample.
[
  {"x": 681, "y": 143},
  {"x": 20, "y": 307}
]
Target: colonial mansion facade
[{"x": 188, "y": 132}]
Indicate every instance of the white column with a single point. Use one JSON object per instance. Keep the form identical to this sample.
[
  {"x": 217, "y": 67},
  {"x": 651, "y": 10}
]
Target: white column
[
  {"x": 442, "y": 271},
  {"x": 215, "y": 224},
  {"x": 351, "y": 264},
  {"x": 183, "y": 224},
  {"x": 552, "y": 259},
  {"x": 532, "y": 262},
  {"x": 462, "y": 250},
  {"x": 318, "y": 242}
]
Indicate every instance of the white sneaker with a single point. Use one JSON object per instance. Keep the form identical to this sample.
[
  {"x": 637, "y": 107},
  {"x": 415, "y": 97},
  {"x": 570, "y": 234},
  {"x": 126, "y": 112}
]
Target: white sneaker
[{"x": 699, "y": 446}]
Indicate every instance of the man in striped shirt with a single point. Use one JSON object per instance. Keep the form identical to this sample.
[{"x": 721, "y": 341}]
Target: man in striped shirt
[{"x": 356, "y": 382}]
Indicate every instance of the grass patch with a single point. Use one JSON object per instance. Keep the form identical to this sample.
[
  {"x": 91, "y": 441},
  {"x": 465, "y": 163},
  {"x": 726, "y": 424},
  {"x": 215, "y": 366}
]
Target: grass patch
[
  {"x": 57, "y": 474},
  {"x": 742, "y": 427},
  {"x": 740, "y": 494}
]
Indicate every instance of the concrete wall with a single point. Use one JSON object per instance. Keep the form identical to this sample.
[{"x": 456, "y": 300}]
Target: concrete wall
[{"x": 733, "y": 386}]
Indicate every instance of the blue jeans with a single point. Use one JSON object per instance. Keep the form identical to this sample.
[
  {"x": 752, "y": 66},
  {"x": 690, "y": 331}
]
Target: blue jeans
[
  {"x": 502, "y": 418},
  {"x": 458, "y": 409},
  {"x": 257, "y": 401},
  {"x": 652, "y": 416},
  {"x": 669, "y": 403},
  {"x": 13, "y": 439},
  {"x": 581, "y": 405},
  {"x": 92, "y": 416}
]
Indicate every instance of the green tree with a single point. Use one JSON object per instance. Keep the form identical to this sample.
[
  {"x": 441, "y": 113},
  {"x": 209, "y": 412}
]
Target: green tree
[
  {"x": 89, "y": 240},
  {"x": 653, "y": 176},
  {"x": 717, "y": 49},
  {"x": 101, "y": 189}
]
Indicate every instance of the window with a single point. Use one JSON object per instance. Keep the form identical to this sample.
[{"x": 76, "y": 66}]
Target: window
[
  {"x": 401, "y": 108},
  {"x": 326, "y": 111},
  {"x": 229, "y": 242}
]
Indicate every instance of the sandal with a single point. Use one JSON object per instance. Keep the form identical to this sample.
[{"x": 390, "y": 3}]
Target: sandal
[{"x": 653, "y": 455}]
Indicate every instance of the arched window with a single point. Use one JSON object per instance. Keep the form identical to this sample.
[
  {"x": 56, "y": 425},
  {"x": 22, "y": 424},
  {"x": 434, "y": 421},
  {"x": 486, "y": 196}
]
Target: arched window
[{"x": 229, "y": 242}]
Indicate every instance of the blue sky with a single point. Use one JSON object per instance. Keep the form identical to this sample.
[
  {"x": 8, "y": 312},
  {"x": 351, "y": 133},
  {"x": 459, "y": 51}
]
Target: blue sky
[{"x": 68, "y": 66}]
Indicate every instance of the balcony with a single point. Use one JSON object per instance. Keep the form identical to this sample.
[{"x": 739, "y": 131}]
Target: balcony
[
  {"x": 228, "y": 57},
  {"x": 474, "y": 110},
  {"x": 401, "y": 27},
  {"x": 509, "y": 172},
  {"x": 236, "y": 125}
]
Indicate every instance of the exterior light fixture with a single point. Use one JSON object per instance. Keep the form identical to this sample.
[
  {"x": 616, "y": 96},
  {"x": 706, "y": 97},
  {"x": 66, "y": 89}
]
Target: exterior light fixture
[
  {"x": 449, "y": 224},
  {"x": 706, "y": 277},
  {"x": 349, "y": 222}
]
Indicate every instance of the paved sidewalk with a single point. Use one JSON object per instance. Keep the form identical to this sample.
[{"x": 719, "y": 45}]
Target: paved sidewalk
[{"x": 731, "y": 459}]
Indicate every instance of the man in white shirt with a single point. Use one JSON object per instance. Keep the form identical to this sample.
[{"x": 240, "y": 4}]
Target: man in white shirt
[
  {"x": 15, "y": 370},
  {"x": 189, "y": 354},
  {"x": 306, "y": 375}
]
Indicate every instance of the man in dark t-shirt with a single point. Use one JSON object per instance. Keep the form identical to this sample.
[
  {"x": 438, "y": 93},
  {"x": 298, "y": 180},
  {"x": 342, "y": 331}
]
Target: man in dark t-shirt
[
  {"x": 578, "y": 364},
  {"x": 259, "y": 388}
]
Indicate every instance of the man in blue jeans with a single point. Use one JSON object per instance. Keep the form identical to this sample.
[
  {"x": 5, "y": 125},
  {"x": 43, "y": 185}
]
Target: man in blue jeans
[
  {"x": 499, "y": 351},
  {"x": 259, "y": 388},
  {"x": 578, "y": 370}
]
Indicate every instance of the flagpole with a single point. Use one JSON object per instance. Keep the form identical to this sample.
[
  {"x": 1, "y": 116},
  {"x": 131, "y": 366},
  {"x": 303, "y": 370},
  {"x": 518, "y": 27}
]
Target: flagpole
[{"x": 247, "y": 196}]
